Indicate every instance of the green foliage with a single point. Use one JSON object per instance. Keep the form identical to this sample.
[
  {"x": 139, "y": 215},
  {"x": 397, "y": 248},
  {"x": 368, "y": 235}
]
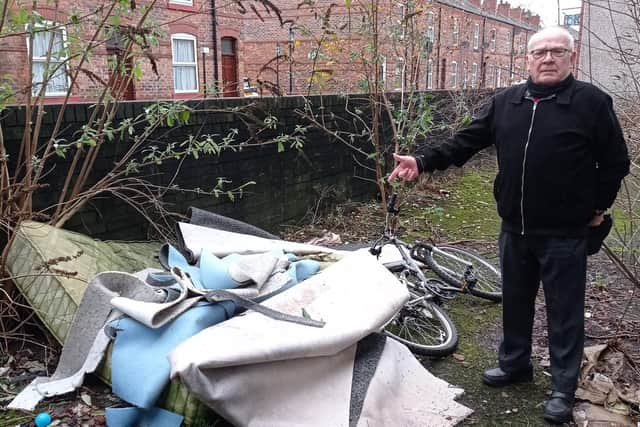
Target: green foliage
[
  {"x": 169, "y": 113},
  {"x": 7, "y": 91},
  {"x": 413, "y": 120},
  {"x": 139, "y": 145},
  {"x": 295, "y": 140}
]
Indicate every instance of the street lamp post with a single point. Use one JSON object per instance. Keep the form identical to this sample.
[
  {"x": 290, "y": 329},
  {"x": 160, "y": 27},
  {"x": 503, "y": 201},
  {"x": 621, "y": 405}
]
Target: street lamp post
[{"x": 290, "y": 60}]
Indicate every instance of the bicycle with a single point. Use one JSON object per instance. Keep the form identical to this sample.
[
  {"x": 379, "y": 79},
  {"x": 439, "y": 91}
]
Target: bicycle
[{"x": 422, "y": 324}]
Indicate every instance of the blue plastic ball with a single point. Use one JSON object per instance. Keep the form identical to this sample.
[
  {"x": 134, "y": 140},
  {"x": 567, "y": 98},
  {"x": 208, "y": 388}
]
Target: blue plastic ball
[{"x": 43, "y": 419}]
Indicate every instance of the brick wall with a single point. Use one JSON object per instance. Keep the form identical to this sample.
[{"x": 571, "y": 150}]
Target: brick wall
[
  {"x": 257, "y": 37},
  {"x": 347, "y": 45},
  {"x": 288, "y": 184},
  {"x": 168, "y": 18}
]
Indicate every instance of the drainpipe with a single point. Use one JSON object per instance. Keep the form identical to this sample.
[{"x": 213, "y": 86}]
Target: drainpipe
[
  {"x": 482, "y": 61},
  {"x": 511, "y": 54},
  {"x": 439, "y": 39},
  {"x": 214, "y": 34}
]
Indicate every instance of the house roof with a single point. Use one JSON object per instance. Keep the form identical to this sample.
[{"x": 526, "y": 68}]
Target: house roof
[{"x": 467, "y": 6}]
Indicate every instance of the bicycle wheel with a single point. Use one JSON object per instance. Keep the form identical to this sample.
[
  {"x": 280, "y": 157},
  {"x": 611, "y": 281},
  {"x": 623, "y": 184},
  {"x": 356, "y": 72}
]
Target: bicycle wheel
[
  {"x": 489, "y": 279},
  {"x": 424, "y": 327}
]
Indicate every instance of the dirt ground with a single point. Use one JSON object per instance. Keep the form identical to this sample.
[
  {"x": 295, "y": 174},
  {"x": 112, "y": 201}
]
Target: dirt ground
[
  {"x": 612, "y": 309},
  {"x": 613, "y": 314}
]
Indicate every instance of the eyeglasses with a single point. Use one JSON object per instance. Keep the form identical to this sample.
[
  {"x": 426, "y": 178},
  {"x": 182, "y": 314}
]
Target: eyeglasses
[{"x": 556, "y": 52}]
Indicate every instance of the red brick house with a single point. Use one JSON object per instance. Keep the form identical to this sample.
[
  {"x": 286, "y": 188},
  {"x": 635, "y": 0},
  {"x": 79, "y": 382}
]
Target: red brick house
[
  {"x": 474, "y": 45},
  {"x": 471, "y": 45}
]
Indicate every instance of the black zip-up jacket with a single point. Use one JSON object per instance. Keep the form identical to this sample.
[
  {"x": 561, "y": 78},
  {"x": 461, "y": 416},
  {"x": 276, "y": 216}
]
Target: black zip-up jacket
[{"x": 560, "y": 158}]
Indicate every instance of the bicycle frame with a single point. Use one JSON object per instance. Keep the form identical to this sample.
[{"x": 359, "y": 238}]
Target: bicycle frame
[{"x": 442, "y": 289}]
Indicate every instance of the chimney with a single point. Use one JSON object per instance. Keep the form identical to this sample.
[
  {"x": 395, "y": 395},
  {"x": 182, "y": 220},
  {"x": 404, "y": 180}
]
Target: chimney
[
  {"x": 489, "y": 6},
  {"x": 503, "y": 9},
  {"x": 516, "y": 13},
  {"x": 535, "y": 21}
]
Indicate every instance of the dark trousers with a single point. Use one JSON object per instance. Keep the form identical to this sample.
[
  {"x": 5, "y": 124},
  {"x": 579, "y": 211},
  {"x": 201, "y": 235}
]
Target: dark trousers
[{"x": 560, "y": 263}]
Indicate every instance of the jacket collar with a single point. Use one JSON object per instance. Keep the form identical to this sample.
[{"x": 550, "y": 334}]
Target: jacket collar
[{"x": 562, "y": 97}]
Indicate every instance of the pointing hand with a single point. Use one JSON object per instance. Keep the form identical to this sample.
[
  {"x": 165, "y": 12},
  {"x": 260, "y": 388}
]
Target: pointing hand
[{"x": 406, "y": 168}]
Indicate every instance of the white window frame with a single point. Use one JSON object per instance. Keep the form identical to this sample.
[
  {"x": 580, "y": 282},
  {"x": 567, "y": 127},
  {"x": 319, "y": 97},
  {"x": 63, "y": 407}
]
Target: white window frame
[
  {"x": 465, "y": 74},
  {"x": 476, "y": 36},
  {"x": 498, "y": 73},
  {"x": 474, "y": 74},
  {"x": 456, "y": 31},
  {"x": 43, "y": 59},
  {"x": 508, "y": 39},
  {"x": 430, "y": 74},
  {"x": 494, "y": 36},
  {"x": 383, "y": 68},
  {"x": 185, "y": 36},
  {"x": 431, "y": 34},
  {"x": 454, "y": 74},
  {"x": 182, "y": 2}
]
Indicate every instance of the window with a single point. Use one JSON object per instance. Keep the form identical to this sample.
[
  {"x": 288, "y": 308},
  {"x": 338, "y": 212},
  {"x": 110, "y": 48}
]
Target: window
[
  {"x": 465, "y": 75},
  {"x": 402, "y": 24},
  {"x": 474, "y": 74},
  {"x": 488, "y": 76},
  {"x": 383, "y": 69},
  {"x": 572, "y": 20},
  {"x": 476, "y": 36},
  {"x": 228, "y": 46},
  {"x": 493, "y": 39},
  {"x": 54, "y": 72},
  {"x": 430, "y": 74},
  {"x": 182, "y": 2},
  {"x": 508, "y": 39},
  {"x": 456, "y": 31},
  {"x": 498, "y": 74},
  {"x": 185, "y": 68},
  {"x": 431, "y": 35},
  {"x": 454, "y": 74}
]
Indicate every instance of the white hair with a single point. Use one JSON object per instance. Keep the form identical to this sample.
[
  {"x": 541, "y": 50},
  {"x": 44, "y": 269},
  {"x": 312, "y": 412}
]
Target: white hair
[{"x": 553, "y": 30}]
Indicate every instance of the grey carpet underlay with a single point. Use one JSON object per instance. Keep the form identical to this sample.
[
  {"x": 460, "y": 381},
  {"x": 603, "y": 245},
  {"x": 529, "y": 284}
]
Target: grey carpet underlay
[
  {"x": 368, "y": 354},
  {"x": 92, "y": 315},
  {"x": 83, "y": 346}
]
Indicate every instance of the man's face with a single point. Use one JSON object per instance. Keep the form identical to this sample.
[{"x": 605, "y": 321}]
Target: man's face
[{"x": 549, "y": 60}]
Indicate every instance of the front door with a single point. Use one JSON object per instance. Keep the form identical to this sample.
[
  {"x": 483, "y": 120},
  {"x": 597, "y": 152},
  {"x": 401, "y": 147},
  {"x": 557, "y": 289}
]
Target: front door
[{"x": 229, "y": 67}]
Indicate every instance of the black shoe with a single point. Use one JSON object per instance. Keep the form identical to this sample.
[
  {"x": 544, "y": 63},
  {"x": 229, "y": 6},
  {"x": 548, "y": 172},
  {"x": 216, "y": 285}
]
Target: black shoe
[
  {"x": 496, "y": 377},
  {"x": 559, "y": 407}
]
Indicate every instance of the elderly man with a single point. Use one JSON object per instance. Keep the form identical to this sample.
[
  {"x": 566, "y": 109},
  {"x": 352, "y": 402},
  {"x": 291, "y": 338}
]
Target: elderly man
[{"x": 561, "y": 159}]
